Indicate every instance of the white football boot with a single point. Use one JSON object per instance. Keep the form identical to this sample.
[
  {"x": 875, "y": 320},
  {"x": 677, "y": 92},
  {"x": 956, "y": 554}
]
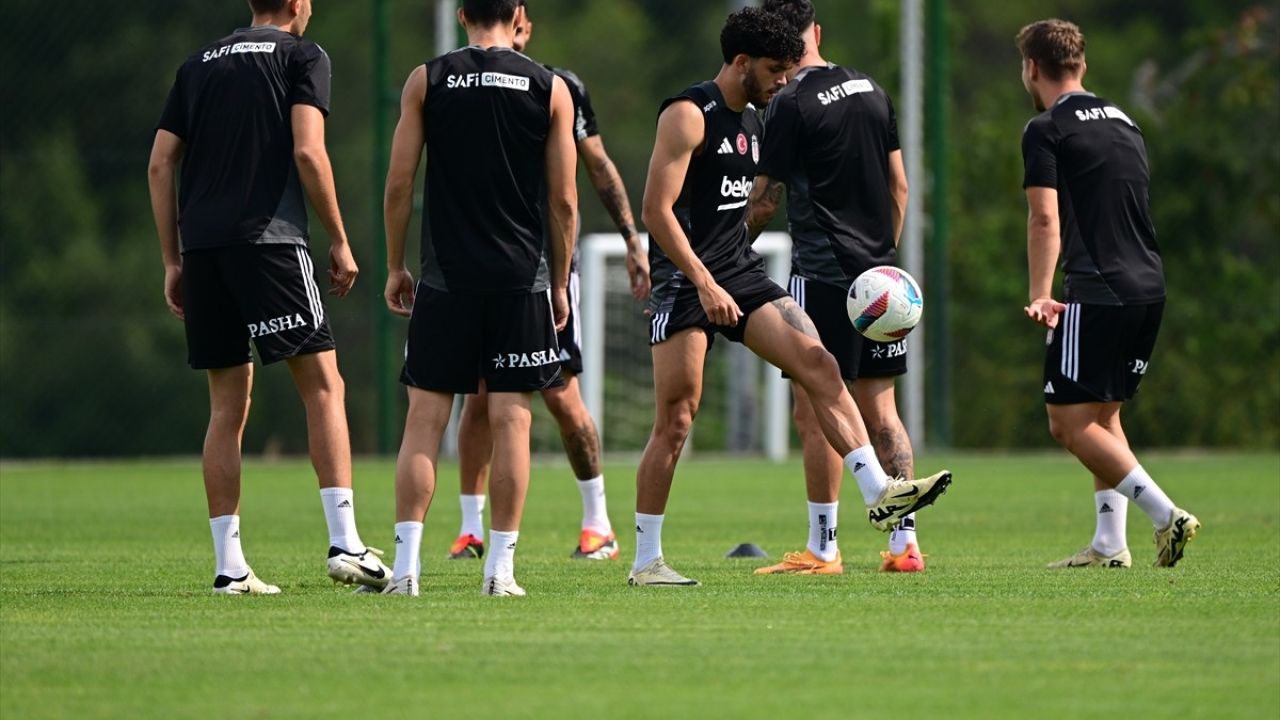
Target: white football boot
[
  {"x": 658, "y": 572},
  {"x": 498, "y": 587},
  {"x": 364, "y": 568},
  {"x": 247, "y": 585}
]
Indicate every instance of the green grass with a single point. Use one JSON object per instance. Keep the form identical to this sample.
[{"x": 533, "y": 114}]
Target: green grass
[{"x": 105, "y": 611}]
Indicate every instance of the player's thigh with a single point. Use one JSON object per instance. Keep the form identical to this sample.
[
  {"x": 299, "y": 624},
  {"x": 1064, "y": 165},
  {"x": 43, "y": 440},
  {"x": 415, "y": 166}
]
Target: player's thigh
[
  {"x": 677, "y": 371},
  {"x": 217, "y": 334},
  {"x": 275, "y": 287},
  {"x": 826, "y": 307},
  {"x": 444, "y": 352},
  {"x": 783, "y": 335},
  {"x": 520, "y": 346}
]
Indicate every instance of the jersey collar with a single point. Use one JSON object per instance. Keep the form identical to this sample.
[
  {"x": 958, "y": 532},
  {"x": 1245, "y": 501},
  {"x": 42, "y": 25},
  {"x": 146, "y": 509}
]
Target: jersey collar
[{"x": 1073, "y": 93}]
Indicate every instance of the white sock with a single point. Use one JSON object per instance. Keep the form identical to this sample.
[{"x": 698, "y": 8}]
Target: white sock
[
  {"x": 472, "y": 516},
  {"x": 822, "y": 530},
  {"x": 1113, "y": 514},
  {"x": 408, "y": 543},
  {"x": 866, "y": 469},
  {"x": 904, "y": 534},
  {"x": 501, "y": 560},
  {"x": 595, "y": 512},
  {"x": 340, "y": 514},
  {"x": 648, "y": 539},
  {"x": 226, "y": 546},
  {"x": 1140, "y": 488}
]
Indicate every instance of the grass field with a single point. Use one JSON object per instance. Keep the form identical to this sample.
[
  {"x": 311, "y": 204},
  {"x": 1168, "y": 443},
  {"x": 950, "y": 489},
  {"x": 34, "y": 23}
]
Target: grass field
[{"x": 105, "y": 610}]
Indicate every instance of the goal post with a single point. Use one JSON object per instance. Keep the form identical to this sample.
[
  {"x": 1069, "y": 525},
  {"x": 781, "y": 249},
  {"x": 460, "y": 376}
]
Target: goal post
[{"x": 597, "y": 252}]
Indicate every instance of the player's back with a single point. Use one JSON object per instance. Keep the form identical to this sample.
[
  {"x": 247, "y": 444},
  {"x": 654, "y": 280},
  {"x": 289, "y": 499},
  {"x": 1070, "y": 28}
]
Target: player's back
[
  {"x": 1094, "y": 155},
  {"x": 487, "y": 116},
  {"x": 828, "y": 135},
  {"x": 231, "y": 105}
]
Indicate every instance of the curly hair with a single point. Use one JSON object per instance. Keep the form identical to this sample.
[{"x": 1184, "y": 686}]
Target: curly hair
[
  {"x": 756, "y": 33},
  {"x": 799, "y": 13},
  {"x": 1057, "y": 46}
]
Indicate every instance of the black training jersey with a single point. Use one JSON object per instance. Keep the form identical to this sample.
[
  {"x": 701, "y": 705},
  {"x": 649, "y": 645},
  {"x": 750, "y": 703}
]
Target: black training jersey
[
  {"x": 712, "y": 206},
  {"x": 828, "y": 135},
  {"x": 584, "y": 116},
  {"x": 231, "y": 106},
  {"x": 487, "y": 116},
  {"x": 1094, "y": 156}
]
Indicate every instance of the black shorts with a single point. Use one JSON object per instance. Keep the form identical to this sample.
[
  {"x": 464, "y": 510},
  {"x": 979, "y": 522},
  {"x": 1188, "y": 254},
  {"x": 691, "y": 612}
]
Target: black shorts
[
  {"x": 570, "y": 338},
  {"x": 457, "y": 339},
  {"x": 683, "y": 310},
  {"x": 264, "y": 293},
  {"x": 1099, "y": 353},
  {"x": 826, "y": 305}
]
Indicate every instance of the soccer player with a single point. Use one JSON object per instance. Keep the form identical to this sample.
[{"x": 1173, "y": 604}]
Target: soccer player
[
  {"x": 831, "y": 138},
  {"x": 498, "y": 131},
  {"x": 245, "y": 119},
  {"x": 596, "y": 540},
  {"x": 1087, "y": 189},
  {"x": 707, "y": 280}
]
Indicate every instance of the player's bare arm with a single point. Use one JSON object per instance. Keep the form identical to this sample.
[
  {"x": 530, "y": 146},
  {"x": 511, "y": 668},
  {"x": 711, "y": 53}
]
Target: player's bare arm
[
  {"x": 162, "y": 176},
  {"x": 397, "y": 202},
  {"x": 562, "y": 197},
  {"x": 613, "y": 194},
  {"x": 681, "y": 130},
  {"x": 766, "y": 196},
  {"x": 316, "y": 173},
  {"x": 1043, "y": 245},
  {"x": 898, "y": 192}
]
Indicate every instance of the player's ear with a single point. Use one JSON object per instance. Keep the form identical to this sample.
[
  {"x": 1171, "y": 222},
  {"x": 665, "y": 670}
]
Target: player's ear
[
  {"x": 462, "y": 17},
  {"x": 817, "y": 35},
  {"x": 742, "y": 63}
]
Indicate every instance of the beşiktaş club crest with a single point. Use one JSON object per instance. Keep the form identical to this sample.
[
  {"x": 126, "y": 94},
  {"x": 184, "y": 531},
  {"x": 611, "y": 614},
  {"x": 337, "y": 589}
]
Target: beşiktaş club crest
[
  {"x": 742, "y": 143},
  {"x": 755, "y": 149}
]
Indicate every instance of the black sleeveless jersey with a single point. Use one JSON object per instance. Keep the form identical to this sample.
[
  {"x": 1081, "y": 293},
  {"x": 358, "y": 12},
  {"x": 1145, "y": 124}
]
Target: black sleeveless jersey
[
  {"x": 712, "y": 206},
  {"x": 1093, "y": 154},
  {"x": 487, "y": 117},
  {"x": 828, "y": 136}
]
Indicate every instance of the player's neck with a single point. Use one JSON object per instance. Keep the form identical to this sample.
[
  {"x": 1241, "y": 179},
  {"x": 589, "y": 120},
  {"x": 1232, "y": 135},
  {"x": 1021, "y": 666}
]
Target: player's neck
[
  {"x": 284, "y": 24},
  {"x": 495, "y": 36},
  {"x": 735, "y": 98},
  {"x": 1052, "y": 93}
]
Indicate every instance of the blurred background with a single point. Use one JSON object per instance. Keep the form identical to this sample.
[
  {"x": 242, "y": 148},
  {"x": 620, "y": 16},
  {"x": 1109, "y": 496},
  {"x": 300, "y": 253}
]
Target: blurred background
[{"x": 93, "y": 365}]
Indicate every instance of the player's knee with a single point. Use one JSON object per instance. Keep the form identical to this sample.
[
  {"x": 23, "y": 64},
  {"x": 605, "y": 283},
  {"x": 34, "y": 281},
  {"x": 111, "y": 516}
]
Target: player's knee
[
  {"x": 820, "y": 373},
  {"x": 675, "y": 423},
  {"x": 1063, "y": 432},
  {"x": 510, "y": 421},
  {"x": 568, "y": 410},
  {"x": 230, "y": 411}
]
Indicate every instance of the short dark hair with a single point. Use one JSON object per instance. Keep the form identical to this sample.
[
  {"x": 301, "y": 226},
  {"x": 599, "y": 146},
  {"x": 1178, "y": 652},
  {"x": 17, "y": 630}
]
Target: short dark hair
[
  {"x": 1056, "y": 46},
  {"x": 756, "y": 33},
  {"x": 266, "y": 7},
  {"x": 486, "y": 13},
  {"x": 799, "y": 13}
]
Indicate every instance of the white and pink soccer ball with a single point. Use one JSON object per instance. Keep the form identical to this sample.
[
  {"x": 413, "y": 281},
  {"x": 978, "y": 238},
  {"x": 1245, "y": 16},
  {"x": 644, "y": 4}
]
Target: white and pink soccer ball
[{"x": 885, "y": 303}]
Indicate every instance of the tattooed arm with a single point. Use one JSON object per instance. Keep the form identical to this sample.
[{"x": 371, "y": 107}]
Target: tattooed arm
[
  {"x": 765, "y": 195},
  {"x": 613, "y": 195}
]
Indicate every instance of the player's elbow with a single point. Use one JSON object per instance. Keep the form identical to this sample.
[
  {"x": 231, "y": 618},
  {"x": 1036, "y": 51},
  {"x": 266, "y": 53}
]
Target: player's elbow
[
  {"x": 1041, "y": 221},
  {"x": 308, "y": 157},
  {"x": 652, "y": 212},
  {"x": 160, "y": 168},
  {"x": 564, "y": 206}
]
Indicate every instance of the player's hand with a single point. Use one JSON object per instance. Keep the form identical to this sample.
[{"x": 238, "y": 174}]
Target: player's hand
[
  {"x": 638, "y": 272},
  {"x": 1045, "y": 311},
  {"x": 560, "y": 307},
  {"x": 719, "y": 305},
  {"x": 399, "y": 292},
  {"x": 342, "y": 269},
  {"x": 173, "y": 290}
]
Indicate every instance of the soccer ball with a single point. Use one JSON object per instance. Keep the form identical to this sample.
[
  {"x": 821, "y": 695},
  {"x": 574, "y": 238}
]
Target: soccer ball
[{"x": 885, "y": 304}]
